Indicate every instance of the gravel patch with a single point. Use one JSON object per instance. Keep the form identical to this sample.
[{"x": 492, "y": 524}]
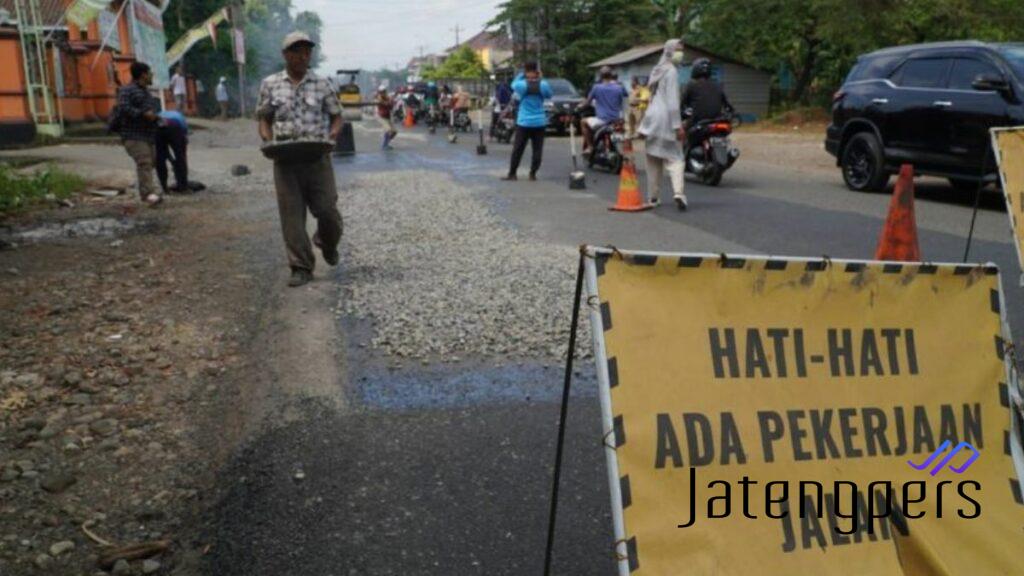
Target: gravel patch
[{"x": 441, "y": 277}]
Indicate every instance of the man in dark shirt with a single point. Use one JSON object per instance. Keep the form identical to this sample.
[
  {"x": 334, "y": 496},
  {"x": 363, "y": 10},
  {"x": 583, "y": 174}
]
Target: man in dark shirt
[
  {"x": 703, "y": 98},
  {"x": 502, "y": 98},
  {"x": 138, "y": 125}
]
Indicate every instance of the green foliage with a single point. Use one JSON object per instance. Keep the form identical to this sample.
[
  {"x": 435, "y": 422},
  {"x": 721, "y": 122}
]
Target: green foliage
[
  {"x": 816, "y": 40},
  {"x": 565, "y": 37},
  {"x": 20, "y": 191},
  {"x": 462, "y": 63},
  {"x": 266, "y": 24}
]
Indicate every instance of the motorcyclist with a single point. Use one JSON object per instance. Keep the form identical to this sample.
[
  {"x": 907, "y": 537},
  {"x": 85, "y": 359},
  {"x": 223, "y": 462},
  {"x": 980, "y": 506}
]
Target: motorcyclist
[
  {"x": 703, "y": 98},
  {"x": 501, "y": 99},
  {"x": 460, "y": 101},
  {"x": 431, "y": 98},
  {"x": 607, "y": 98}
]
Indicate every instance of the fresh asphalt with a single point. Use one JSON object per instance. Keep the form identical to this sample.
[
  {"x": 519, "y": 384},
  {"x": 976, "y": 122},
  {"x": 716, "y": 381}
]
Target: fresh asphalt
[{"x": 448, "y": 470}]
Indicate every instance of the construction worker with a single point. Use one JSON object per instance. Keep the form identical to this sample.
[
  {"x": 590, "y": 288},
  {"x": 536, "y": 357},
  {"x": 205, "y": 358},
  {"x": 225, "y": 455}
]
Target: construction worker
[
  {"x": 384, "y": 106},
  {"x": 138, "y": 122},
  {"x": 172, "y": 146},
  {"x": 639, "y": 98},
  {"x": 298, "y": 104}
]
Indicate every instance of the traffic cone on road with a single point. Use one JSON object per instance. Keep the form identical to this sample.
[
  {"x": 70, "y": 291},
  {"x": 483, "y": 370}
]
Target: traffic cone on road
[
  {"x": 409, "y": 120},
  {"x": 899, "y": 237},
  {"x": 630, "y": 198}
]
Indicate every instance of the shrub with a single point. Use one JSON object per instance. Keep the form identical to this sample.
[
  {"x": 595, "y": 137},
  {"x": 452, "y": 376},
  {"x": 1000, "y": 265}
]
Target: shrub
[{"x": 20, "y": 191}]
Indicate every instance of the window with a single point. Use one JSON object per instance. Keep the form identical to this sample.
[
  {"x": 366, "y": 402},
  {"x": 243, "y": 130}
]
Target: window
[
  {"x": 1014, "y": 54},
  {"x": 965, "y": 71},
  {"x": 872, "y": 68},
  {"x": 923, "y": 73}
]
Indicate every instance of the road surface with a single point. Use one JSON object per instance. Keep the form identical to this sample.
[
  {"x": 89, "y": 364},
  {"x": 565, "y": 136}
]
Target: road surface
[{"x": 445, "y": 468}]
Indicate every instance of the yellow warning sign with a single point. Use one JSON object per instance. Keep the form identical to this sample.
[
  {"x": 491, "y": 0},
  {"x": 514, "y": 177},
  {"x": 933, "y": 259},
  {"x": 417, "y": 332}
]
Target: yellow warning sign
[
  {"x": 783, "y": 416},
  {"x": 1008, "y": 144}
]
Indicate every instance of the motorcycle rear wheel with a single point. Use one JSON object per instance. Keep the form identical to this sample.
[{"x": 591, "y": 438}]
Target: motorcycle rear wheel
[{"x": 712, "y": 175}]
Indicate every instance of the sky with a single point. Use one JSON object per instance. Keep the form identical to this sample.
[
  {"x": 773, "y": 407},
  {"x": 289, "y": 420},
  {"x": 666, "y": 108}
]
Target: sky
[{"x": 386, "y": 33}]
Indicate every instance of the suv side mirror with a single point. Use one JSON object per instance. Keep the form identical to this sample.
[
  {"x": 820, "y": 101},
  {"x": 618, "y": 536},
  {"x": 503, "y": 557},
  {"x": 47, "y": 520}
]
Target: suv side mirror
[{"x": 991, "y": 83}]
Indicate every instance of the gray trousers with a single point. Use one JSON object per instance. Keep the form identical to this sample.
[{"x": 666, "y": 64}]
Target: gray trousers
[{"x": 303, "y": 186}]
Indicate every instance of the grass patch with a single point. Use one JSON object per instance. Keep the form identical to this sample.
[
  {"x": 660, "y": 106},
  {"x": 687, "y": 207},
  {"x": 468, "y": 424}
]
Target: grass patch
[{"x": 18, "y": 191}]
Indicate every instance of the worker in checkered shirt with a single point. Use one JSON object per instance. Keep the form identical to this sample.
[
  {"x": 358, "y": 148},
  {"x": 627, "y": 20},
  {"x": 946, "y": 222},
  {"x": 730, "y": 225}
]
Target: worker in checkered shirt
[{"x": 296, "y": 104}]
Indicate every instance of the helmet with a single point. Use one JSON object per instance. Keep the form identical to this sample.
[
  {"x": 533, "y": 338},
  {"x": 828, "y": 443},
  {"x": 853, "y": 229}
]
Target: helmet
[{"x": 701, "y": 68}]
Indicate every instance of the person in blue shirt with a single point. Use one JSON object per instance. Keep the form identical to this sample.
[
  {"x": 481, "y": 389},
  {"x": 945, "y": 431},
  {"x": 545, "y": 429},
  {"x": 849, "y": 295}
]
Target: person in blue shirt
[
  {"x": 607, "y": 98},
  {"x": 531, "y": 121},
  {"x": 172, "y": 146}
]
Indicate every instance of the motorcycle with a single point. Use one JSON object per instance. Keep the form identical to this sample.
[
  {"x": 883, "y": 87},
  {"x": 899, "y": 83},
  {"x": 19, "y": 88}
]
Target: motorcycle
[
  {"x": 462, "y": 121},
  {"x": 434, "y": 119},
  {"x": 506, "y": 126},
  {"x": 398, "y": 112},
  {"x": 709, "y": 151},
  {"x": 606, "y": 149}
]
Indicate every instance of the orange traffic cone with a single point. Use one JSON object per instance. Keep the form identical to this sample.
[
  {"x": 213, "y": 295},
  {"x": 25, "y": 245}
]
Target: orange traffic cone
[
  {"x": 630, "y": 198},
  {"x": 409, "y": 120},
  {"x": 899, "y": 237}
]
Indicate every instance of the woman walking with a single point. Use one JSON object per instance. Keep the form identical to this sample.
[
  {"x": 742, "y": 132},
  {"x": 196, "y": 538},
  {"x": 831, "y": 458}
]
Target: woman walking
[{"x": 662, "y": 127}]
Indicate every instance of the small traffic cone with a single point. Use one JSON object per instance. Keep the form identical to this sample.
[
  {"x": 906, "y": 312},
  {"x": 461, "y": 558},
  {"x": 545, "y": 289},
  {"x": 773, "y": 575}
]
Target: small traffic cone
[
  {"x": 630, "y": 198},
  {"x": 898, "y": 242},
  {"x": 409, "y": 120}
]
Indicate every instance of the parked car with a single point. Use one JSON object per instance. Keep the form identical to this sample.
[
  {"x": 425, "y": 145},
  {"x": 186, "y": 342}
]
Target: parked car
[
  {"x": 930, "y": 105},
  {"x": 565, "y": 99}
]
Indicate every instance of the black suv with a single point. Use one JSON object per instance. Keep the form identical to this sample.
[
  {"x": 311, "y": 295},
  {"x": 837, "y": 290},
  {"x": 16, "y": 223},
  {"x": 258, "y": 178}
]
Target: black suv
[
  {"x": 930, "y": 105},
  {"x": 562, "y": 105}
]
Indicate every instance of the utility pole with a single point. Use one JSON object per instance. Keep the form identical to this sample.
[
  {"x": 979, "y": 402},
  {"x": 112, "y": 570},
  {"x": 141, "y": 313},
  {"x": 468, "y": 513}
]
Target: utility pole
[
  {"x": 237, "y": 24},
  {"x": 456, "y": 29}
]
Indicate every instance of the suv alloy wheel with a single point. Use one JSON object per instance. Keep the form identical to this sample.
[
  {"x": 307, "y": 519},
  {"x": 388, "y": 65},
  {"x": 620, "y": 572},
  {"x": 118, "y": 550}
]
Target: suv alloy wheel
[{"x": 863, "y": 164}]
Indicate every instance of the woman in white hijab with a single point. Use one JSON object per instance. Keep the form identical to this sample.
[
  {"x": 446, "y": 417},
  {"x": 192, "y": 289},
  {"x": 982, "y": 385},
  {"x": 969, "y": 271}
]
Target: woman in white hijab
[{"x": 662, "y": 127}]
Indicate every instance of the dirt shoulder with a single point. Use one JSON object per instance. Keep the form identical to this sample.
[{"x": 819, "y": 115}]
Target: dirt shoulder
[
  {"x": 800, "y": 148},
  {"x": 134, "y": 360}
]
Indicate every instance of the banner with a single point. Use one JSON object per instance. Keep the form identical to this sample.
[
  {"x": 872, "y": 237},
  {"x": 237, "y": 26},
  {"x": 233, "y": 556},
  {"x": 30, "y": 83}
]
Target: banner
[
  {"x": 82, "y": 12},
  {"x": 197, "y": 33},
  {"x": 148, "y": 40},
  {"x": 1008, "y": 144},
  {"x": 107, "y": 21},
  {"x": 784, "y": 416}
]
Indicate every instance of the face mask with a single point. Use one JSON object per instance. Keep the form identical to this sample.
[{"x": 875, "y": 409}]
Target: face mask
[{"x": 677, "y": 58}]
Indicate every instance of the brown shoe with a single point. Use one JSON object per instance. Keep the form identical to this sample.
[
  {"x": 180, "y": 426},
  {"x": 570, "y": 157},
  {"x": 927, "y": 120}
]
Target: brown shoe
[
  {"x": 330, "y": 256},
  {"x": 300, "y": 278}
]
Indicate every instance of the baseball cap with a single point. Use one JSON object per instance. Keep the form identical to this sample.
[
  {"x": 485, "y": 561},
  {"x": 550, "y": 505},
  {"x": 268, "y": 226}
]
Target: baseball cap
[{"x": 296, "y": 38}]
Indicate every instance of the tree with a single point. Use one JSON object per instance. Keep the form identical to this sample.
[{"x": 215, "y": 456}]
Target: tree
[
  {"x": 266, "y": 24},
  {"x": 566, "y": 37},
  {"x": 462, "y": 63}
]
